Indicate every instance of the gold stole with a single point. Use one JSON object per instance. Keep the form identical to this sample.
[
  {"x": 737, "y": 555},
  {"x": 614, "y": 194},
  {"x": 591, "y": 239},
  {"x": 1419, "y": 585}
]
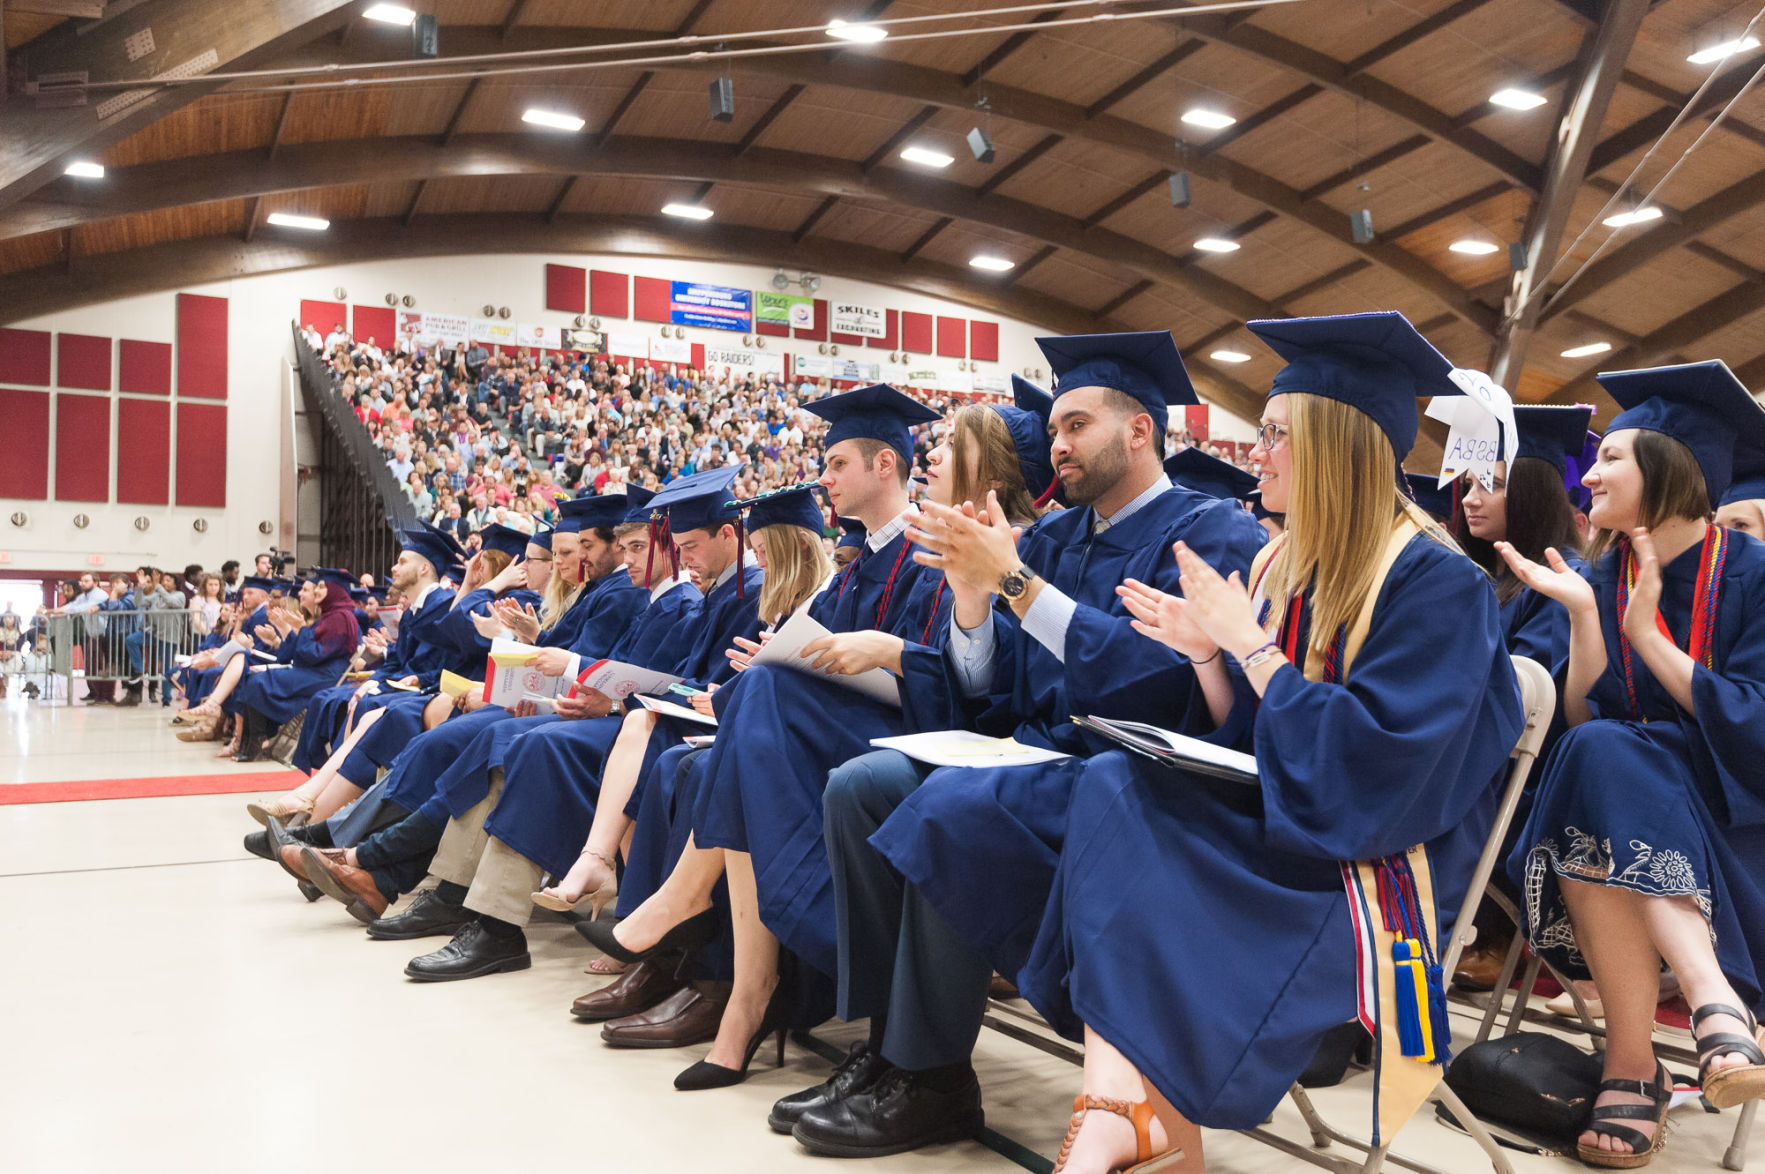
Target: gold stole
[{"x": 1402, "y": 1083}]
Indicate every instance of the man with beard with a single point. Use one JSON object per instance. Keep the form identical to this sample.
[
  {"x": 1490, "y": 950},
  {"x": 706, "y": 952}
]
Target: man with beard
[{"x": 917, "y": 951}]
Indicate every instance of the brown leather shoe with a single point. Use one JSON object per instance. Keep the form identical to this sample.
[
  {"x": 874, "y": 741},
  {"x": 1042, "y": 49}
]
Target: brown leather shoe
[
  {"x": 1480, "y": 967},
  {"x": 639, "y": 988},
  {"x": 291, "y": 860},
  {"x": 689, "y": 1016},
  {"x": 354, "y": 887}
]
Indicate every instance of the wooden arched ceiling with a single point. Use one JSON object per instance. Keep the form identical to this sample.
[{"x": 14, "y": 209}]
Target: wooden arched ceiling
[{"x": 1379, "y": 105}]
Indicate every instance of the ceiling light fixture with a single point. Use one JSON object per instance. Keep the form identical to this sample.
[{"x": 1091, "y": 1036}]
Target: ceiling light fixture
[
  {"x": 1626, "y": 219},
  {"x": 555, "y": 119},
  {"x": 1726, "y": 49},
  {"x": 927, "y": 157},
  {"x": 864, "y": 33},
  {"x": 1229, "y": 357},
  {"x": 995, "y": 264},
  {"x": 85, "y": 169},
  {"x": 687, "y": 211},
  {"x": 1474, "y": 248},
  {"x": 390, "y": 14},
  {"x": 1517, "y": 99},
  {"x": 1214, "y": 244},
  {"x": 290, "y": 220},
  {"x": 1582, "y": 352},
  {"x": 1211, "y": 119}
]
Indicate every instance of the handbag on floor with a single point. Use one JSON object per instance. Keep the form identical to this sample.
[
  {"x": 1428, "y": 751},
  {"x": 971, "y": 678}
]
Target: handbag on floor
[{"x": 1537, "y": 1086}]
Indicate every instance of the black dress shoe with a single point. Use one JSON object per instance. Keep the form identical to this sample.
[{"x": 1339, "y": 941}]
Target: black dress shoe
[
  {"x": 474, "y": 952},
  {"x": 860, "y": 1070},
  {"x": 310, "y": 891},
  {"x": 901, "y": 1112},
  {"x": 689, "y": 935},
  {"x": 428, "y": 916},
  {"x": 276, "y": 838},
  {"x": 258, "y": 844}
]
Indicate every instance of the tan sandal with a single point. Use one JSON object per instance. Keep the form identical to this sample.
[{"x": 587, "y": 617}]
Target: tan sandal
[
  {"x": 597, "y": 900},
  {"x": 281, "y": 808},
  {"x": 203, "y": 732},
  {"x": 1642, "y": 1149},
  {"x": 1139, "y": 1115},
  {"x": 1728, "y": 1087}
]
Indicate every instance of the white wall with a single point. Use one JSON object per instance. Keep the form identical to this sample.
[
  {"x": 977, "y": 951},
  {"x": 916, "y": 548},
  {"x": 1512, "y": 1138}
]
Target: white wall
[{"x": 259, "y": 312}]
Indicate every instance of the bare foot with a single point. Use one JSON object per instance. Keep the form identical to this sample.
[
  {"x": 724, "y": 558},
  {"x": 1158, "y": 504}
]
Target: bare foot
[
  {"x": 589, "y": 874},
  {"x": 1105, "y": 1141}
]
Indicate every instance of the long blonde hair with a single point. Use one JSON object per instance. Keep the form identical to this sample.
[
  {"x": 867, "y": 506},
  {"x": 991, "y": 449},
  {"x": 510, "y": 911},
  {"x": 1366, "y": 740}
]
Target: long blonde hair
[
  {"x": 795, "y": 566},
  {"x": 1341, "y": 501},
  {"x": 558, "y": 597}
]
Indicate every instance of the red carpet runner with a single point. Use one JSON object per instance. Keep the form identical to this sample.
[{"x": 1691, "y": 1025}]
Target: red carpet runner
[{"x": 268, "y": 782}]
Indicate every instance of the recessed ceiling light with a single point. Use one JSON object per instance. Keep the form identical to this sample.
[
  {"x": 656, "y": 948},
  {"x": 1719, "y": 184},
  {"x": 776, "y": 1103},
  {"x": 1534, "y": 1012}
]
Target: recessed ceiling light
[
  {"x": 1626, "y": 219},
  {"x": 1214, "y": 244},
  {"x": 390, "y": 13},
  {"x": 996, "y": 264},
  {"x": 1475, "y": 248},
  {"x": 855, "y": 32},
  {"x": 86, "y": 170},
  {"x": 1517, "y": 99},
  {"x": 1230, "y": 357},
  {"x": 289, "y": 220},
  {"x": 1582, "y": 352},
  {"x": 927, "y": 157},
  {"x": 556, "y": 119},
  {"x": 1211, "y": 119},
  {"x": 1726, "y": 49},
  {"x": 687, "y": 211}
]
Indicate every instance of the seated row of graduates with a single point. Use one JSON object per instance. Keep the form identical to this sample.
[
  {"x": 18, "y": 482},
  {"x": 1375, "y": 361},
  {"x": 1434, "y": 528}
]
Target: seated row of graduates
[{"x": 1201, "y": 936}]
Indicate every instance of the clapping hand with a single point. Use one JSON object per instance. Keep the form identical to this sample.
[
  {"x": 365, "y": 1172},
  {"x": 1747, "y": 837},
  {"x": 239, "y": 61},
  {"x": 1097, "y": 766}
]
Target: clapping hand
[
  {"x": 1642, "y": 617},
  {"x": 522, "y": 621},
  {"x": 1165, "y": 618},
  {"x": 1559, "y": 581},
  {"x": 974, "y": 549},
  {"x": 1219, "y": 606}
]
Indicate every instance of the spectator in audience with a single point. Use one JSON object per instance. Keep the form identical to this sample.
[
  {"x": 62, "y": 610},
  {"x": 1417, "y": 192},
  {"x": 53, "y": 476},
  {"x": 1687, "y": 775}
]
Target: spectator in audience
[
  {"x": 85, "y": 601},
  {"x": 152, "y": 646},
  {"x": 205, "y": 608}
]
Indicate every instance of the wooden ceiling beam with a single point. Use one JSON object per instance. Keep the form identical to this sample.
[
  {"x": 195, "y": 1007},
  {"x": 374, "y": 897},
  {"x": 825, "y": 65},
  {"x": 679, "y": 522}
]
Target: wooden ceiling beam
[
  {"x": 1000, "y": 175},
  {"x": 1450, "y": 208},
  {"x": 1259, "y": 119},
  {"x": 1156, "y": 179},
  {"x": 251, "y": 214},
  {"x": 557, "y": 204},
  {"x": 1123, "y": 298},
  {"x": 281, "y": 125},
  {"x": 410, "y": 213},
  {"x": 1365, "y": 166},
  {"x": 1029, "y": 263},
  {"x": 623, "y": 107},
  {"x": 1007, "y": 47},
  {"x": 453, "y": 120},
  {"x": 1647, "y": 129},
  {"x": 939, "y": 225},
  {"x": 791, "y": 94},
  {"x": 1144, "y": 77},
  {"x": 907, "y": 131},
  {"x": 1719, "y": 313},
  {"x": 516, "y": 11},
  {"x": 814, "y": 218},
  {"x": 1392, "y": 46}
]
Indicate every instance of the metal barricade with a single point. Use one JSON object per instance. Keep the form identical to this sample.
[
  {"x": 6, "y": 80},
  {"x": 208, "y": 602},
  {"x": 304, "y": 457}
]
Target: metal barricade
[{"x": 104, "y": 649}]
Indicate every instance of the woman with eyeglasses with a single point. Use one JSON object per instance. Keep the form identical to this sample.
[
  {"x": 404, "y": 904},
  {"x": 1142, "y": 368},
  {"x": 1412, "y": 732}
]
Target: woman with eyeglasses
[{"x": 1202, "y": 937}]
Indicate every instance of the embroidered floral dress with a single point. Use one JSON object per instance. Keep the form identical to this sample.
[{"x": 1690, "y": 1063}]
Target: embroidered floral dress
[{"x": 1671, "y": 805}]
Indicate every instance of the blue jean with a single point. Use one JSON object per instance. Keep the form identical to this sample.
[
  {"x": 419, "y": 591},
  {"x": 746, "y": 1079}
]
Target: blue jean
[{"x": 164, "y": 652}]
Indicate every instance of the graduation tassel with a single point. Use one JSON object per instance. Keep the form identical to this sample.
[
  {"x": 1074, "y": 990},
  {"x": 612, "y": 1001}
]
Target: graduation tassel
[
  {"x": 1048, "y": 493},
  {"x": 1441, "y": 1036},
  {"x": 1414, "y": 1035},
  {"x": 741, "y": 591}
]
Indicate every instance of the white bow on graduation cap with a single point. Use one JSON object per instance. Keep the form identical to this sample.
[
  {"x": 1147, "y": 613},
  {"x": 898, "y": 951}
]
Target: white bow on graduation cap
[{"x": 1480, "y": 428}]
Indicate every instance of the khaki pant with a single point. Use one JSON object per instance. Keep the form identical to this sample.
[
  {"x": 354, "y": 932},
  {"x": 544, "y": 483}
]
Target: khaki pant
[{"x": 498, "y": 879}]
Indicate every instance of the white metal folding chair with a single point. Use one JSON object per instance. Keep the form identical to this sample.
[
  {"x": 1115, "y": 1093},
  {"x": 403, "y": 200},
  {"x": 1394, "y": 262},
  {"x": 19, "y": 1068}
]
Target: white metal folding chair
[{"x": 1538, "y": 699}]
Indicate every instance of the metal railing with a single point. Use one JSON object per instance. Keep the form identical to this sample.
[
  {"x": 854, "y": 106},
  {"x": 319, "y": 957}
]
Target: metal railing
[
  {"x": 361, "y": 504},
  {"x": 104, "y": 648}
]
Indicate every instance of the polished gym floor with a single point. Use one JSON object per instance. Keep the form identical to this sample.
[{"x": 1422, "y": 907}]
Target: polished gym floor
[{"x": 170, "y": 1003}]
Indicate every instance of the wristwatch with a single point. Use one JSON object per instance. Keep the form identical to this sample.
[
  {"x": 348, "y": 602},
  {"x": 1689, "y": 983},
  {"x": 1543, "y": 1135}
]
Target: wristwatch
[{"x": 1013, "y": 584}]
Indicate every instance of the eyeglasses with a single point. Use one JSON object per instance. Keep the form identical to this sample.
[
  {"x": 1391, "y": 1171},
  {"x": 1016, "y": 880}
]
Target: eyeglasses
[{"x": 1269, "y": 435}]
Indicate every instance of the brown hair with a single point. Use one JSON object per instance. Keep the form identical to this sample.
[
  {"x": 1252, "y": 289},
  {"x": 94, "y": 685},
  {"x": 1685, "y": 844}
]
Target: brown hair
[
  {"x": 869, "y": 448},
  {"x": 1540, "y": 515},
  {"x": 999, "y": 469},
  {"x": 494, "y": 562},
  {"x": 1673, "y": 486}
]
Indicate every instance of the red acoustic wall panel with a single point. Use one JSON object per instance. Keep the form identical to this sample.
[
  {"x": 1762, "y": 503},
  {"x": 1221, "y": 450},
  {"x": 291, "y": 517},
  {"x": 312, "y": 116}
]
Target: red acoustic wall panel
[
  {"x": 202, "y": 454},
  {"x": 609, "y": 294},
  {"x": 653, "y": 296},
  {"x": 323, "y": 317},
  {"x": 983, "y": 341},
  {"x": 953, "y": 338},
  {"x": 82, "y": 448},
  {"x": 566, "y": 288},
  {"x": 202, "y": 346},
  {"x": 144, "y": 367},
  {"x": 379, "y": 323},
  {"x": 25, "y": 470},
  {"x": 698, "y": 356},
  {"x": 775, "y": 329},
  {"x": 889, "y": 341},
  {"x": 82, "y": 360},
  {"x": 1195, "y": 420},
  {"x": 817, "y": 332},
  {"x": 144, "y": 458},
  {"x": 916, "y": 332},
  {"x": 24, "y": 357}
]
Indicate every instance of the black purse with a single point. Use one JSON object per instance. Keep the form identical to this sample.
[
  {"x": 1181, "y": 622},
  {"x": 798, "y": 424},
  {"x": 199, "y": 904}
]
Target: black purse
[{"x": 1538, "y": 1086}]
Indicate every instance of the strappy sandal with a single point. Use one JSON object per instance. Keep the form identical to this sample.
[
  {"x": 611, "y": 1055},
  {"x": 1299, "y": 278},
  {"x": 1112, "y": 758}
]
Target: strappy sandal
[
  {"x": 1642, "y": 1149},
  {"x": 1728, "y": 1087},
  {"x": 1139, "y": 1115}
]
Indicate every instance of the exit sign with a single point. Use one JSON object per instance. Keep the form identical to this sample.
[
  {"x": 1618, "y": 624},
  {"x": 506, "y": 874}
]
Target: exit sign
[{"x": 96, "y": 560}]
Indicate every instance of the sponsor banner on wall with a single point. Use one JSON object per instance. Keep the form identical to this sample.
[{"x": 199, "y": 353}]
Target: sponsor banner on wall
[
  {"x": 830, "y": 367},
  {"x": 778, "y": 309},
  {"x": 759, "y": 362},
  {"x": 582, "y": 340},
  {"x": 493, "y": 333},
  {"x": 539, "y": 335},
  {"x": 852, "y": 318},
  {"x": 714, "y": 307},
  {"x": 993, "y": 384},
  {"x": 670, "y": 350},
  {"x": 813, "y": 366},
  {"x": 420, "y": 329},
  {"x": 630, "y": 346}
]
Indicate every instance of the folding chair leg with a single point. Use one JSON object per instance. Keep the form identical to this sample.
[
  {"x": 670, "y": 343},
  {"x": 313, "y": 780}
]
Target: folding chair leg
[
  {"x": 1474, "y": 1127},
  {"x": 1509, "y": 964},
  {"x": 1735, "y": 1157},
  {"x": 1320, "y": 1133},
  {"x": 1528, "y": 982}
]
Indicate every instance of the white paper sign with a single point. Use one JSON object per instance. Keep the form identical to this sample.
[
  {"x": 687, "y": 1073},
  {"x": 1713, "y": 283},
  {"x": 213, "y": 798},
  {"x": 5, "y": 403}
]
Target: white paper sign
[
  {"x": 535, "y": 334},
  {"x": 740, "y": 361},
  {"x": 671, "y": 350},
  {"x": 852, "y": 318},
  {"x": 489, "y": 330},
  {"x": 1480, "y": 428},
  {"x": 629, "y": 346}
]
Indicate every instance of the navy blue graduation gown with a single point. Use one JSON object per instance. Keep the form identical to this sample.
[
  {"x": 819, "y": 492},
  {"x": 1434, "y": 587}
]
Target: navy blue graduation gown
[
  {"x": 280, "y": 693},
  {"x": 780, "y": 732},
  {"x": 1201, "y": 926},
  {"x": 552, "y": 774},
  {"x": 1671, "y": 806},
  {"x": 981, "y": 843}
]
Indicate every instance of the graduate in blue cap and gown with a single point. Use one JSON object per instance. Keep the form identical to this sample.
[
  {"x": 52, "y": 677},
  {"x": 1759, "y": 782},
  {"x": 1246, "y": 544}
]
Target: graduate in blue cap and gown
[
  {"x": 307, "y": 660},
  {"x": 198, "y": 679},
  {"x": 1646, "y": 841},
  {"x": 1208, "y": 474},
  {"x": 914, "y": 918},
  {"x": 1203, "y": 935},
  {"x": 1743, "y": 503}
]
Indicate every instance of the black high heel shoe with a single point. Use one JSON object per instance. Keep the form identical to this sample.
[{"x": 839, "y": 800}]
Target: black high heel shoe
[
  {"x": 705, "y": 1074},
  {"x": 696, "y": 931}
]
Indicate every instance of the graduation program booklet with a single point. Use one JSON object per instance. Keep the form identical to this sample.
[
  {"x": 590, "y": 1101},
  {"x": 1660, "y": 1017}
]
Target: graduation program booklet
[
  {"x": 785, "y": 649},
  {"x": 510, "y": 677},
  {"x": 618, "y": 680},
  {"x": 668, "y": 709},
  {"x": 1175, "y": 750},
  {"x": 454, "y": 685},
  {"x": 966, "y": 748}
]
